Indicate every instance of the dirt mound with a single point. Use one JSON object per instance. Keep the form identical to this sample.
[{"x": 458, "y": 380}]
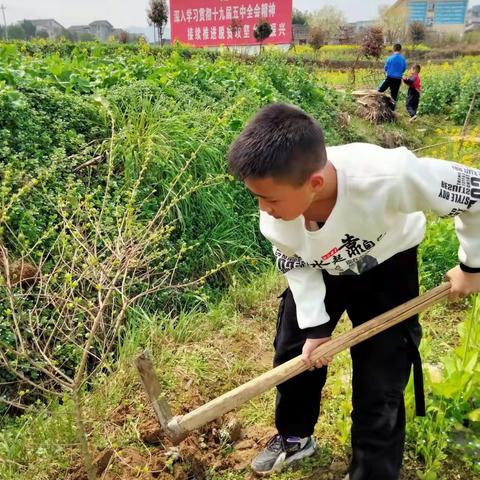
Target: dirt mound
[{"x": 222, "y": 446}]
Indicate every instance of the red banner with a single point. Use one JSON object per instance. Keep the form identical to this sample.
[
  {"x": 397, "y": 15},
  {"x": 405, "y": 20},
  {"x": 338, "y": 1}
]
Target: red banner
[{"x": 229, "y": 22}]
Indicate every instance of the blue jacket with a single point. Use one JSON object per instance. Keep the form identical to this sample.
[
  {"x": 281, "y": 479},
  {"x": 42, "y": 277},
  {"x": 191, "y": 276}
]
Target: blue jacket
[{"x": 395, "y": 66}]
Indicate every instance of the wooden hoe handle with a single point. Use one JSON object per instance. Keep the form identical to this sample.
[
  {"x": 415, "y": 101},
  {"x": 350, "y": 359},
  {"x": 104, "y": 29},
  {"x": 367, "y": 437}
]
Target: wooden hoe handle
[{"x": 178, "y": 427}]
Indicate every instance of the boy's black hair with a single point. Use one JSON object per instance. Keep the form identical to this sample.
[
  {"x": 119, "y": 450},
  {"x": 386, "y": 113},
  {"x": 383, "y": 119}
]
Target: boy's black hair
[
  {"x": 397, "y": 47},
  {"x": 417, "y": 67},
  {"x": 281, "y": 141}
]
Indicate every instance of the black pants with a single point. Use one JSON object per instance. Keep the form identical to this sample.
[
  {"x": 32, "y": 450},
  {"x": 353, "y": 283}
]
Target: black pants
[
  {"x": 381, "y": 365},
  {"x": 413, "y": 98},
  {"x": 393, "y": 84}
]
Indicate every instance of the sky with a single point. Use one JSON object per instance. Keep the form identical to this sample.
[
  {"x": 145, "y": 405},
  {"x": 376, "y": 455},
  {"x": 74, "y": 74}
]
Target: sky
[{"x": 128, "y": 13}]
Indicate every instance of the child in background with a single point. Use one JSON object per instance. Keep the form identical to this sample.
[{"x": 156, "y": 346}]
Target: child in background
[
  {"x": 414, "y": 87},
  {"x": 395, "y": 67}
]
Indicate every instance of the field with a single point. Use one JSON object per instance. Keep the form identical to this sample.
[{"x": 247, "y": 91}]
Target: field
[{"x": 120, "y": 229}]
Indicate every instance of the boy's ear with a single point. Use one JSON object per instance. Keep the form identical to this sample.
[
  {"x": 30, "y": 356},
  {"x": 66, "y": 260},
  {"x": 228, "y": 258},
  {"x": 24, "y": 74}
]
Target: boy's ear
[{"x": 317, "y": 181}]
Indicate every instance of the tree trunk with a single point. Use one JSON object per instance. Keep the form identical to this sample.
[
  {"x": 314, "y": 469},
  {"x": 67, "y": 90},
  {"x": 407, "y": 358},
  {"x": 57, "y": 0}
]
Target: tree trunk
[
  {"x": 354, "y": 68},
  {"x": 82, "y": 434}
]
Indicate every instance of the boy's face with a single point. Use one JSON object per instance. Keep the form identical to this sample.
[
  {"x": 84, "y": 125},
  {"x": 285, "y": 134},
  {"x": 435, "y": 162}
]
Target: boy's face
[{"x": 281, "y": 199}]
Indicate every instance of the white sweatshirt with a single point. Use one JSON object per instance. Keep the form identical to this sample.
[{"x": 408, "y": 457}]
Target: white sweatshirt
[{"x": 378, "y": 213}]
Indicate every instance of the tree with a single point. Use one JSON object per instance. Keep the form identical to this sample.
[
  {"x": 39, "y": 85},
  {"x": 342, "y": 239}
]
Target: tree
[
  {"x": 123, "y": 36},
  {"x": 29, "y": 28},
  {"x": 417, "y": 32},
  {"x": 393, "y": 21},
  {"x": 372, "y": 43},
  {"x": 329, "y": 19},
  {"x": 157, "y": 15},
  {"x": 16, "y": 32},
  {"x": 346, "y": 34},
  {"x": 299, "y": 17},
  {"x": 371, "y": 47},
  {"x": 236, "y": 27},
  {"x": 317, "y": 38},
  {"x": 67, "y": 35},
  {"x": 261, "y": 32}
]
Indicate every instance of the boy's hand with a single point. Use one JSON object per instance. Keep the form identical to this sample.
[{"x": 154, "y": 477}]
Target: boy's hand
[
  {"x": 310, "y": 345},
  {"x": 463, "y": 283}
]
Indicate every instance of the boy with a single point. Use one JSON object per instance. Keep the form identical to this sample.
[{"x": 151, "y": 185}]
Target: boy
[
  {"x": 395, "y": 67},
  {"x": 413, "y": 94},
  {"x": 345, "y": 223}
]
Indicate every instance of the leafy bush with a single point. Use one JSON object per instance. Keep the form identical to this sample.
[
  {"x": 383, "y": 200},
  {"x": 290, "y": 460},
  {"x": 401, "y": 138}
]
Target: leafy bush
[
  {"x": 450, "y": 88},
  {"x": 95, "y": 140},
  {"x": 44, "y": 135},
  {"x": 452, "y": 424},
  {"x": 438, "y": 252}
]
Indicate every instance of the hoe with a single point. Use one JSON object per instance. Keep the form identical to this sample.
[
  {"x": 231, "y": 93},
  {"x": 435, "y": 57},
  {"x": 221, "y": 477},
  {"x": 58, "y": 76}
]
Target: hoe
[{"x": 177, "y": 428}]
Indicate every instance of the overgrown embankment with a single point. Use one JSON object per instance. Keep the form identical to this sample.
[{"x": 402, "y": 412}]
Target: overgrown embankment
[{"x": 114, "y": 195}]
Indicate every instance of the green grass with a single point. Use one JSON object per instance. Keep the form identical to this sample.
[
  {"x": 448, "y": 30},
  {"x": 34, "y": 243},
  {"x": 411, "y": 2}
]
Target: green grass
[
  {"x": 204, "y": 343},
  {"x": 224, "y": 347},
  {"x": 43, "y": 441}
]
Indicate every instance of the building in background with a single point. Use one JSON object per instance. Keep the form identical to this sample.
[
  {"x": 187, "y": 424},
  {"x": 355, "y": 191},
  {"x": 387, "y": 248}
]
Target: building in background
[
  {"x": 79, "y": 32},
  {"x": 50, "y": 26},
  {"x": 362, "y": 25},
  {"x": 101, "y": 30},
  {"x": 439, "y": 16},
  {"x": 347, "y": 33},
  {"x": 300, "y": 34},
  {"x": 354, "y": 32},
  {"x": 473, "y": 19}
]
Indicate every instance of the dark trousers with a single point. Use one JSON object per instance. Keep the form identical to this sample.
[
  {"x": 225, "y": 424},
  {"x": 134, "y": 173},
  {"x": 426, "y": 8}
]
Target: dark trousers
[
  {"x": 393, "y": 84},
  {"x": 381, "y": 365},
  {"x": 413, "y": 98}
]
